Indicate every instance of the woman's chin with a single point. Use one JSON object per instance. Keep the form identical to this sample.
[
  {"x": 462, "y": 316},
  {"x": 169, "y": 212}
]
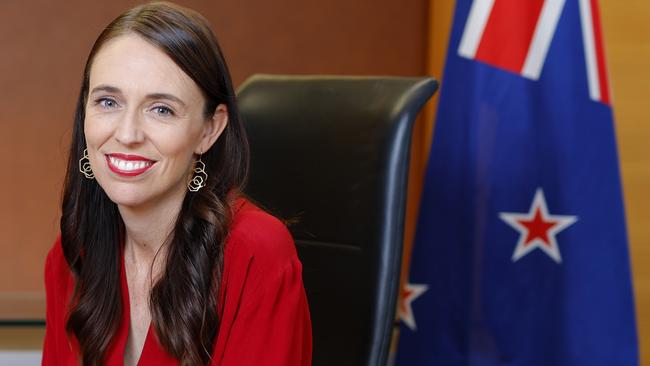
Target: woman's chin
[
  {"x": 129, "y": 203},
  {"x": 134, "y": 196},
  {"x": 128, "y": 199}
]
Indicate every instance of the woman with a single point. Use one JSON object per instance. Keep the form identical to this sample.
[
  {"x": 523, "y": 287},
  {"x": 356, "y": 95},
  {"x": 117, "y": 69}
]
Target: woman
[{"x": 160, "y": 260}]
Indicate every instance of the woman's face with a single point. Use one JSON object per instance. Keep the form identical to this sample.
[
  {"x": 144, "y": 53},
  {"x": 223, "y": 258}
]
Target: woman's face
[{"x": 144, "y": 123}]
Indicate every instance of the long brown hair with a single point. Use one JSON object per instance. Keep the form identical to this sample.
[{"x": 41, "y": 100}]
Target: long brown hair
[{"x": 183, "y": 301}]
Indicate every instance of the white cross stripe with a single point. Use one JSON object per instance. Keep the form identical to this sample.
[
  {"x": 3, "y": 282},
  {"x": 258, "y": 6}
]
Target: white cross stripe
[
  {"x": 589, "y": 43},
  {"x": 474, "y": 27},
  {"x": 544, "y": 31}
]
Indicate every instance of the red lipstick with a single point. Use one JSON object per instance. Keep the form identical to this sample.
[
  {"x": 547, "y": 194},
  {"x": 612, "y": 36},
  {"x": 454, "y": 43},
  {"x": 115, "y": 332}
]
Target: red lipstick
[{"x": 128, "y": 165}]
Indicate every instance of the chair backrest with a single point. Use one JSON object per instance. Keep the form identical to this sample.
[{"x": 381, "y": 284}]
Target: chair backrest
[{"x": 333, "y": 153}]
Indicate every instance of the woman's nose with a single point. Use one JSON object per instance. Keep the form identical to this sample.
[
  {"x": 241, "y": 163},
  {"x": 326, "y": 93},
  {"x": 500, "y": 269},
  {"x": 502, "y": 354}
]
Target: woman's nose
[{"x": 129, "y": 129}]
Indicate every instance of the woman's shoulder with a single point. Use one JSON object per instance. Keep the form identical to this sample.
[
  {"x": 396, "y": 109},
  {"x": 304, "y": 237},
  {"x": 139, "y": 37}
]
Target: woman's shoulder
[
  {"x": 55, "y": 264},
  {"x": 256, "y": 233},
  {"x": 58, "y": 277}
]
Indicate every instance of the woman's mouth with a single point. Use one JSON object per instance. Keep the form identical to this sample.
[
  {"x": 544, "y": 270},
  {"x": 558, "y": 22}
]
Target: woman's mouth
[{"x": 128, "y": 165}]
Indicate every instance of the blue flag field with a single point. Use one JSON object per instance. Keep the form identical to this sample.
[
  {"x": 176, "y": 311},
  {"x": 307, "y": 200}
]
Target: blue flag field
[{"x": 521, "y": 255}]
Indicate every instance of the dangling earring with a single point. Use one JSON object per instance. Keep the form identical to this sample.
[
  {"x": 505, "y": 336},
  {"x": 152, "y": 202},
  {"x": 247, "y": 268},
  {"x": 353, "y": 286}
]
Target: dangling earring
[
  {"x": 199, "y": 178},
  {"x": 84, "y": 166}
]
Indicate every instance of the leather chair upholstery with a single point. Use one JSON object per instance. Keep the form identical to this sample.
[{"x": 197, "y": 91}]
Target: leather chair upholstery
[{"x": 333, "y": 153}]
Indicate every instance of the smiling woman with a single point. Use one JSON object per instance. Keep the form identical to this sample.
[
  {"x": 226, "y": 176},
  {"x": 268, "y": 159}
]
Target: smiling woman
[{"x": 161, "y": 260}]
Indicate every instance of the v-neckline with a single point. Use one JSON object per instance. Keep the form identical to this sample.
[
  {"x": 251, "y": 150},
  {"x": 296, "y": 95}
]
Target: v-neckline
[{"x": 126, "y": 316}]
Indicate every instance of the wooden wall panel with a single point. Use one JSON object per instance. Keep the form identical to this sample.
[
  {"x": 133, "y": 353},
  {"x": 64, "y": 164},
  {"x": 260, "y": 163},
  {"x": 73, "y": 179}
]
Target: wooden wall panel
[{"x": 627, "y": 45}]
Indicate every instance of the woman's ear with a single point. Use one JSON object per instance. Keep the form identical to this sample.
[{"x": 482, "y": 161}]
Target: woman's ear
[{"x": 213, "y": 128}]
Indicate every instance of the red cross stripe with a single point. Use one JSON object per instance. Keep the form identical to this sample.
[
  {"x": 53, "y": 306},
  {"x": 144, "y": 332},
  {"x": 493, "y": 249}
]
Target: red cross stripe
[{"x": 514, "y": 21}]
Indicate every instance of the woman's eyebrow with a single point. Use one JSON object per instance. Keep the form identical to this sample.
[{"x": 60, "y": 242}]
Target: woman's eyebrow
[
  {"x": 106, "y": 88},
  {"x": 171, "y": 97}
]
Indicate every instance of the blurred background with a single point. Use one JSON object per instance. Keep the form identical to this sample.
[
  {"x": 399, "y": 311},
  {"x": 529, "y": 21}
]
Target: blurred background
[{"x": 44, "y": 48}]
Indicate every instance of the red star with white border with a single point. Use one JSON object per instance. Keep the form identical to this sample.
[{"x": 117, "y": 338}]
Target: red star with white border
[
  {"x": 537, "y": 228},
  {"x": 410, "y": 292}
]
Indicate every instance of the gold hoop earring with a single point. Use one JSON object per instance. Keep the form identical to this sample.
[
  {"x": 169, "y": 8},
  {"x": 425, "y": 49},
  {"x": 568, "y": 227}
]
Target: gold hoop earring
[
  {"x": 84, "y": 166},
  {"x": 199, "y": 178}
]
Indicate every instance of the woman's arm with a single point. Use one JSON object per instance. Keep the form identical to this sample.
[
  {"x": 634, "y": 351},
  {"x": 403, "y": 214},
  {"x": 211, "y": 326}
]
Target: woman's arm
[
  {"x": 272, "y": 326},
  {"x": 265, "y": 316},
  {"x": 50, "y": 356}
]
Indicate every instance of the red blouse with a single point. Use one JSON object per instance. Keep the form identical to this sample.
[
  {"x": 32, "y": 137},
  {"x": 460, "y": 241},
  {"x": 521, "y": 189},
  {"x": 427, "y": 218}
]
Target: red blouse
[{"x": 262, "y": 307}]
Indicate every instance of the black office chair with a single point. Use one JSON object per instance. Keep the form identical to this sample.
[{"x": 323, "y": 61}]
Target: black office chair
[{"x": 333, "y": 153}]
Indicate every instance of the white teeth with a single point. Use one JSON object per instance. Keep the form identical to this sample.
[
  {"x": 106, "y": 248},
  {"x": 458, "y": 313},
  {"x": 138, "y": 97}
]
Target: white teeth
[{"x": 128, "y": 165}]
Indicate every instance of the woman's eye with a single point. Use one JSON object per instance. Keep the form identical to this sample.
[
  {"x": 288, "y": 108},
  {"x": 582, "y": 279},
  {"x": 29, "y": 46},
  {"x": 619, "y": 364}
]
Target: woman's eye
[
  {"x": 107, "y": 103},
  {"x": 163, "y": 111}
]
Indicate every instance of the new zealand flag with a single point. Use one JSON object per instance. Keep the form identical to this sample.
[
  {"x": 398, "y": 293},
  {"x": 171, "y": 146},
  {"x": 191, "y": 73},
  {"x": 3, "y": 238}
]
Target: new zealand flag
[{"x": 520, "y": 256}]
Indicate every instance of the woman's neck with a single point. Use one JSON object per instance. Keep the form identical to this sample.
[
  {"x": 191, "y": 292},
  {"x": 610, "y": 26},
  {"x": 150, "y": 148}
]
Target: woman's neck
[{"x": 149, "y": 228}]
